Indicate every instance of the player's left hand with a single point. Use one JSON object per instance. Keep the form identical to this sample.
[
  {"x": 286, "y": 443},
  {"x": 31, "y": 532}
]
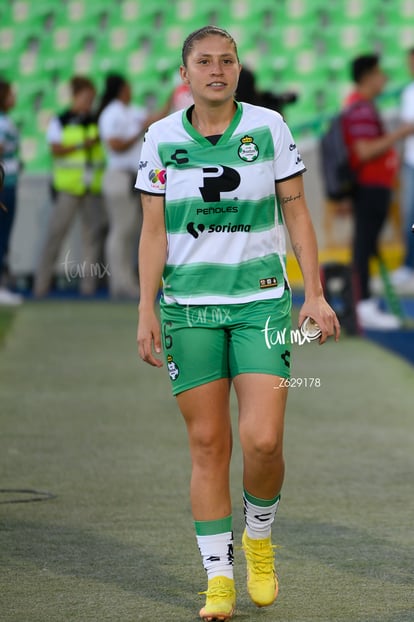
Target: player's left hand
[{"x": 322, "y": 313}]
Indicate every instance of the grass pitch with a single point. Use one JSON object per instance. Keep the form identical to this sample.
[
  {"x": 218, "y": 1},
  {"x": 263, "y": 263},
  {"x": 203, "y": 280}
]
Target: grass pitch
[
  {"x": 82, "y": 417},
  {"x": 6, "y": 319}
]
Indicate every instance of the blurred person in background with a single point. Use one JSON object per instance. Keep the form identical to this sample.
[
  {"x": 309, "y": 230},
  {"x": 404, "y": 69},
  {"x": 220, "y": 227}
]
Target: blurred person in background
[
  {"x": 374, "y": 160},
  {"x": 122, "y": 126},
  {"x": 9, "y": 155},
  {"x": 78, "y": 164},
  {"x": 247, "y": 92},
  {"x": 181, "y": 97},
  {"x": 404, "y": 276}
]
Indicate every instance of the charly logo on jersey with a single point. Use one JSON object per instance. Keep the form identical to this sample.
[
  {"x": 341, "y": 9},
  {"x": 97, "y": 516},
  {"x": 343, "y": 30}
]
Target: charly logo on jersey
[
  {"x": 157, "y": 177},
  {"x": 248, "y": 150},
  {"x": 180, "y": 156}
]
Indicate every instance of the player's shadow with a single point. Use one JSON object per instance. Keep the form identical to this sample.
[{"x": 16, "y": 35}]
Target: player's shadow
[
  {"x": 141, "y": 569},
  {"x": 347, "y": 549}
]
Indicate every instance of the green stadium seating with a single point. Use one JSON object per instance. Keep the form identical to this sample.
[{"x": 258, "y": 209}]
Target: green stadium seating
[
  {"x": 302, "y": 45},
  {"x": 25, "y": 12}
]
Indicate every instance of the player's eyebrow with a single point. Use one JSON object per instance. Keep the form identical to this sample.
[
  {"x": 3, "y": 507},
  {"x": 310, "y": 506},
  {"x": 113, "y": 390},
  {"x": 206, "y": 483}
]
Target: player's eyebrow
[{"x": 208, "y": 55}]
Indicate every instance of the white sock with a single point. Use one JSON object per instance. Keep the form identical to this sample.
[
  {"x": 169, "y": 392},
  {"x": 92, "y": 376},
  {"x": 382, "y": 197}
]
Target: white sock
[
  {"x": 217, "y": 554},
  {"x": 259, "y": 515}
]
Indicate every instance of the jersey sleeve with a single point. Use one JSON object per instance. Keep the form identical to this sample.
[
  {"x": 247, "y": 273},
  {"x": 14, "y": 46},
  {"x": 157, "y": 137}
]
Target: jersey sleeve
[
  {"x": 288, "y": 161},
  {"x": 151, "y": 176}
]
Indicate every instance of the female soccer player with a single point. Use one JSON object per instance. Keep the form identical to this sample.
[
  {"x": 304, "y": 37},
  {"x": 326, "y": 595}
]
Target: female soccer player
[{"x": 217, "y": 182}]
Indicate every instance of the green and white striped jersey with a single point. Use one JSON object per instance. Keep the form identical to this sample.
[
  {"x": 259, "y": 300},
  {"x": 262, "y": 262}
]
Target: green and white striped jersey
[{"x": 226, "y": 240}]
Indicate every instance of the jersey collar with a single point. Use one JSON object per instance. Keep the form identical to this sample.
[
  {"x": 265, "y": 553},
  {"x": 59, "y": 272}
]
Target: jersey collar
[{"x": 202, "y": 140}]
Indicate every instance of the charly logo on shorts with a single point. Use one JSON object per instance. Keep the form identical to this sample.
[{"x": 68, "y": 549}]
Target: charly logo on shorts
[
  {"x": 173, "y": 369},
  {"x": 248, "y": 150},
  {"x": 157, "y": 177}
]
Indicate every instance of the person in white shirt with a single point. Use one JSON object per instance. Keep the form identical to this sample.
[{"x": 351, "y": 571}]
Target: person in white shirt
[
  {"x": 404, "y": 276},
  {"x": 122, "y": 126}
]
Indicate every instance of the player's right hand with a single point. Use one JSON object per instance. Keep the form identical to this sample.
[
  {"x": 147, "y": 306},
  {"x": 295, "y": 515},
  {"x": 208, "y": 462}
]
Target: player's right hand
[{"x": 149, "y": 338}]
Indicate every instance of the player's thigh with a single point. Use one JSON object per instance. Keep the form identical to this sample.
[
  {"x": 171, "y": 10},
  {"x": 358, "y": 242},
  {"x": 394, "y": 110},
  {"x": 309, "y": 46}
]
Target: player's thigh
[
  {"x": 262, "y": 403},
  {"x": 259, "y": 360},
  {"x": 195, "y": 354},
  {"x": 260, "y": 339},
  {"x": 206, "y": 411}
]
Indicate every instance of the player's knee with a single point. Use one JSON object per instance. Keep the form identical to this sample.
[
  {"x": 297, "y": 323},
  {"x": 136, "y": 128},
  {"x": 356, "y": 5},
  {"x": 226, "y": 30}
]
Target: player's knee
[
  {"x": 265, "y": 447},
  {"x": 210, "y": 448}
]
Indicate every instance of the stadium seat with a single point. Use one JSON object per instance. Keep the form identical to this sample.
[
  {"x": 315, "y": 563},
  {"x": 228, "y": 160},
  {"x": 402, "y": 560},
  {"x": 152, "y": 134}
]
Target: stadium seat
[
  {"x": 341, "y": 12},
  {"x": 81, "y": 12},
  {"x": 299, "y": 12},
  {"x": 405, "y": 8},
  {"x": 189, "y": 13},
  {"x": 26, "y": 12},
  {"x": 36, "y": 152}
]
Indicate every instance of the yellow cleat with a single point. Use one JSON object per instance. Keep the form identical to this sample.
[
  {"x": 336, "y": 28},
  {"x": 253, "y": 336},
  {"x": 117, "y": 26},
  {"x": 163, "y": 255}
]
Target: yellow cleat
[
  {"x": 262, "y": 582},
  {"x": 220, "y": 600}
]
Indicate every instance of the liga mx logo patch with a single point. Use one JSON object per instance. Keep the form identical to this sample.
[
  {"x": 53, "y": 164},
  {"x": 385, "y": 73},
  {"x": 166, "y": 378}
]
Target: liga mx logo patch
[
  {"x": 157, "y": 178},
  {"x": 248, "y": 150}
]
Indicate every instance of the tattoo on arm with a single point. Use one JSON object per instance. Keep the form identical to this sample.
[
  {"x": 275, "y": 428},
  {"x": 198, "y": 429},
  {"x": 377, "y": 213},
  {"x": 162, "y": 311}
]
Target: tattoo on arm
[
  {"x": 290, "y": 198},
  {"x": 297, "y": 249}
]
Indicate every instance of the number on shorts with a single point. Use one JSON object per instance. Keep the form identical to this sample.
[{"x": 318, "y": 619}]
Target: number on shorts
[{"x": 167, "y": 338}]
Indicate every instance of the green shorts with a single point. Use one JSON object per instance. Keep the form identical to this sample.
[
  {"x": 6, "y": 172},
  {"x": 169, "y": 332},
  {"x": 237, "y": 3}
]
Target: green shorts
[{"x": 207, "y": 342}]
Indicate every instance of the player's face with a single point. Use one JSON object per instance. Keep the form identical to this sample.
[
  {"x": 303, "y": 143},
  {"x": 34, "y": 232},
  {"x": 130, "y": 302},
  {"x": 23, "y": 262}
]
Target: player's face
[{"x": 212, "y": 70}]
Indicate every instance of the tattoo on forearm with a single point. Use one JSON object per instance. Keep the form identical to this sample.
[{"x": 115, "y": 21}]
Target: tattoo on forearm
[
  {"x": 297, "y": 249},
  {"x": 290, "y": 198}
]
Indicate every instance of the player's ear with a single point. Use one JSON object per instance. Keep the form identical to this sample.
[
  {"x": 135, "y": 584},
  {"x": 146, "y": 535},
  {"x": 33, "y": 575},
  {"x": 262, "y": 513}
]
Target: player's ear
[{"x": 184, "y": 74}]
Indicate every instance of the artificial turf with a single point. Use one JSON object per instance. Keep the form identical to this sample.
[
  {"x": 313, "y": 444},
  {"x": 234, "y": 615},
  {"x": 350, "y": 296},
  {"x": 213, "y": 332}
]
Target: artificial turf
[{"x": 82, "y": 417}]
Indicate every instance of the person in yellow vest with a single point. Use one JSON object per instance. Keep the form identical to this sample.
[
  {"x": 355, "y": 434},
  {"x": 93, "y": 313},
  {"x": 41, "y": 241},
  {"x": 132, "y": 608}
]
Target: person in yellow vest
[{"x": 78, "y": 166}]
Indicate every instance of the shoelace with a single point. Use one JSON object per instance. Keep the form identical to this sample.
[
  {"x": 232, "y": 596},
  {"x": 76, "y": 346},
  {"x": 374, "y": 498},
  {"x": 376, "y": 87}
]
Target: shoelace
[
  {"x": 262, "y": 561},
  {"x": 217, "y": 592}
]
